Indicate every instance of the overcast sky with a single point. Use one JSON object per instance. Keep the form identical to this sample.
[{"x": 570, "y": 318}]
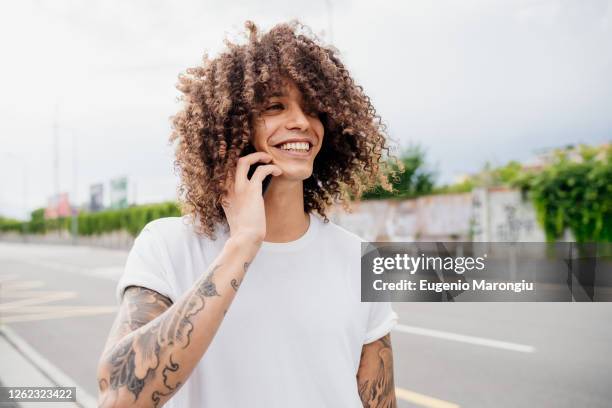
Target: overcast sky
[{"x": 471, "y": 81}]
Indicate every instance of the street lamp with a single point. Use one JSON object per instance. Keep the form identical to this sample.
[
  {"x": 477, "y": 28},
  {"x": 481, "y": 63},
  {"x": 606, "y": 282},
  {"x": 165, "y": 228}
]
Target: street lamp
[{"x": 24, "y": 168}]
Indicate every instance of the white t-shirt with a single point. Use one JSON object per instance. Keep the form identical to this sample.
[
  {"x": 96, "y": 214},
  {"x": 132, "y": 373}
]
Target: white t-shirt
[{"x": 293, "y": 335}]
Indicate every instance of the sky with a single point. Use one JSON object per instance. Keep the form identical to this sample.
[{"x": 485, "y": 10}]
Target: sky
[{"x": 470, "y": 81}]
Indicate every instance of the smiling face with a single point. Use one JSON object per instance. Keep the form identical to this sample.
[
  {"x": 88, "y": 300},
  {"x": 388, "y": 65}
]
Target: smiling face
[{"x": 290, "y": 132}]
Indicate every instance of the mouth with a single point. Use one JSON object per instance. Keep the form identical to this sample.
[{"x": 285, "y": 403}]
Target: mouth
[{"x": 294, "y": 149}]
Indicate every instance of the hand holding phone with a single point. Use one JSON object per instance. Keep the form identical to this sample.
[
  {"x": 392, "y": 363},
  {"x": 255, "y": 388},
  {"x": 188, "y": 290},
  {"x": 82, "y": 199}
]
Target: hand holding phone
[
  {"x": 243, "y": 203},
  {"x": 266, "y": 181}
]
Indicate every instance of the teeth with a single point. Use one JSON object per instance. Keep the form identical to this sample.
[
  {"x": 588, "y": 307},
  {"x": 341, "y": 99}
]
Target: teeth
[{"x": 298, "y": 146}]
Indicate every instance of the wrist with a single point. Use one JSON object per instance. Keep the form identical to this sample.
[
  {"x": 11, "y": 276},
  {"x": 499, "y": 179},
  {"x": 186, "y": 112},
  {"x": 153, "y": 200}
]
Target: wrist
[{"x": 244, "y": 242}]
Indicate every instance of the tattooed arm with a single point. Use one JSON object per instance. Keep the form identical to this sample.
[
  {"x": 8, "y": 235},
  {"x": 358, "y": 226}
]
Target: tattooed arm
[
  {"x": 375, "y": 375},
  {"x": 154, "y": 344}
]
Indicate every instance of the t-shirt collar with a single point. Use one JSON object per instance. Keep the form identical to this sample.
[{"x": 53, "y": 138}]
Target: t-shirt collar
[{"x": 299, "y": 243}]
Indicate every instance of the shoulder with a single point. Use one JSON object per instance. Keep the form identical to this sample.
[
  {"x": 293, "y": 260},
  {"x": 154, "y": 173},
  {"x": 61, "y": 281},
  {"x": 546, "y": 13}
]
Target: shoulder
[
  {"x": 172, "y": 232},
  {"x": 340, "y": 237},
  {"x": 342, "y": 233},
  {"x": 170, "y": 226},
  {"x": 175, "y": 243}
]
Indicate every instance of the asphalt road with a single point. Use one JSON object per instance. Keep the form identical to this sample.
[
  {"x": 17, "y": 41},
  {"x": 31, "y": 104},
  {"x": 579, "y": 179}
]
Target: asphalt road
[{"x": 60, "y": 300}]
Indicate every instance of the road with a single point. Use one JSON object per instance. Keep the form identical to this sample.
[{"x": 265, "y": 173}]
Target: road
[{"x": 58, "y": 304}]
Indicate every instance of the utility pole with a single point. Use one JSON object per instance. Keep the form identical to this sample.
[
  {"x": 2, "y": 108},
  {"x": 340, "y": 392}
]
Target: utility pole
[
  {"x": 24, "y": 166},
  {"x": 56, "y": 185},
  {"x": 135, "y": 198},
  {"x": 25, "y": 198},
  {"x": 74, "y": 211}
]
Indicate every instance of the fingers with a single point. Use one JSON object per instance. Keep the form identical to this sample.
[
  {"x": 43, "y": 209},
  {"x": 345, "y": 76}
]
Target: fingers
[
  {"x": 265, "y": 170},
  {"x": 244, "y": 163}
]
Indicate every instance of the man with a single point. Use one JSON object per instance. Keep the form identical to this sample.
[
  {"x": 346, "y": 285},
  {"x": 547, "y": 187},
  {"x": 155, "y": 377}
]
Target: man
[{"x": 296, "y": 334}]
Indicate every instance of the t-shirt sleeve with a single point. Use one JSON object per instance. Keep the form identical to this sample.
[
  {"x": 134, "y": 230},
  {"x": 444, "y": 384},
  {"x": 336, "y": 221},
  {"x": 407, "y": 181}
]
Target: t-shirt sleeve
[
  {"x": 381, "y": 320},
  {"x": 146, "y": 266}
]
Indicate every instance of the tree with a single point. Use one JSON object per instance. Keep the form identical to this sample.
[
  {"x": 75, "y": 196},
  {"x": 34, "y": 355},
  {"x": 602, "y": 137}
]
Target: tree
[{"x": 413, "y": 181}]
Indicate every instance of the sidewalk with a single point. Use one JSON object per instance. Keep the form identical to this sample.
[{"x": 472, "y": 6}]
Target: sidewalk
[{"x": 25, "y": 367}]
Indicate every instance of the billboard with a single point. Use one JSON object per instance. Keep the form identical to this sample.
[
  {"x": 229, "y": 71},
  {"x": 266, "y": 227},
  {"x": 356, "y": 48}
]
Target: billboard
[
  {"x": 96, "y": 197},
  {"x": 119, "y": 193},
  {"x": 58, "y": 206}
]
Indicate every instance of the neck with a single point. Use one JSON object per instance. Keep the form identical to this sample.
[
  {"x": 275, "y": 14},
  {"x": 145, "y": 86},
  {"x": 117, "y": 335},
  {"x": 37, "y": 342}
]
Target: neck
[{"x": 285, "y": 217}]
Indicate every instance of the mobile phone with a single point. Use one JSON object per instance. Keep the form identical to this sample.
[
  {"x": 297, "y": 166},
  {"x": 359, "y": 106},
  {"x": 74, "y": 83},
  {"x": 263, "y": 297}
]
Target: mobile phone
[{"x": 266, "y": 181}]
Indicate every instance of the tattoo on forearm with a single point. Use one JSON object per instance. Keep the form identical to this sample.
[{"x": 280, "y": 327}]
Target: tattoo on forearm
[
  {"x": 135, "y": 360},
  {"x": 208, "y": 288},
  {"x": 375, "y": 375},
  {"x": 157, "y": 394},
  {"x": 235, "y": 284}
]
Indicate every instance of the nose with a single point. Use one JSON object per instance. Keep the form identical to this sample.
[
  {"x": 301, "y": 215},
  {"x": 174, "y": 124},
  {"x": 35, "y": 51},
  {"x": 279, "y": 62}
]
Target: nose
[{"x": 297, "y": 120}]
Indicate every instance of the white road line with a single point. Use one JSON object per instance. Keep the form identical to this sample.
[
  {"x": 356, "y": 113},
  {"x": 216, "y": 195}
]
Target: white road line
[
  {"x": 22, "y": 294},
  {"x": 44, "y": 366},
  {"x": 60, "y": 314},
  {"x": 60, "y": 308},
  {"x": 45, "y": 298},
  {"x": 480, "y": 341}
]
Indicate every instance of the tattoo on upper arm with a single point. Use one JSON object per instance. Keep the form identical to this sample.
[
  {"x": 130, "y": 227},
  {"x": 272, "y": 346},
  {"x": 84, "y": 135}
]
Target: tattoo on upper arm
[
  {"x": 140, "y": 306},
  {"x": 375, "y": 375},
  {"x": 135, "y": 359}
]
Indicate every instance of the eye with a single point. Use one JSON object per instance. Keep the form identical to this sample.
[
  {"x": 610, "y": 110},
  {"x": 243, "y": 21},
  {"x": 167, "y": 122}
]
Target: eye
[{"x": 275, "y": 106}]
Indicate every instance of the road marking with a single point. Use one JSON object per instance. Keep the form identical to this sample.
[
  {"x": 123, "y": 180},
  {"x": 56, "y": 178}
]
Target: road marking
[
  {"x": 22, "y": 294},
  {"x": 480, "y": 341},
  {"x": 42, "y": 297},
  {"x": 72, "y": 311},
  {"x": 44, "y": 366},
  {"x": 32, "y": 305},
  {"x": 63, "y": 308},
  {"x": 422, "y": 400}
]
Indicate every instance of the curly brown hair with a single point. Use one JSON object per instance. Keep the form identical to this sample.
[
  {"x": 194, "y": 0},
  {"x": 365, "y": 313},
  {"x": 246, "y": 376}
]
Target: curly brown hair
[{"x": 224, "y": 95}]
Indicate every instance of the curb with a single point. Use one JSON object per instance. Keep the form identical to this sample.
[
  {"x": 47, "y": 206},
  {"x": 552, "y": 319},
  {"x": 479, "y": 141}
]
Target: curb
[{"x": 41, "y": 367}]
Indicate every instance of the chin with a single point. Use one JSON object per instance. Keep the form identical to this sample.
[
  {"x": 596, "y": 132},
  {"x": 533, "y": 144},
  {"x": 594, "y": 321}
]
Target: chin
[{"x": 296, "y": 174}]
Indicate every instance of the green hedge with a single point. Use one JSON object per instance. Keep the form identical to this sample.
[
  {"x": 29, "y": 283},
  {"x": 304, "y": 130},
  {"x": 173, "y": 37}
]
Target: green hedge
[
  {"x": 131, "y": 219},
  {"x": 8, "y": 225},
  {"x": 574, "y": 195}
]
